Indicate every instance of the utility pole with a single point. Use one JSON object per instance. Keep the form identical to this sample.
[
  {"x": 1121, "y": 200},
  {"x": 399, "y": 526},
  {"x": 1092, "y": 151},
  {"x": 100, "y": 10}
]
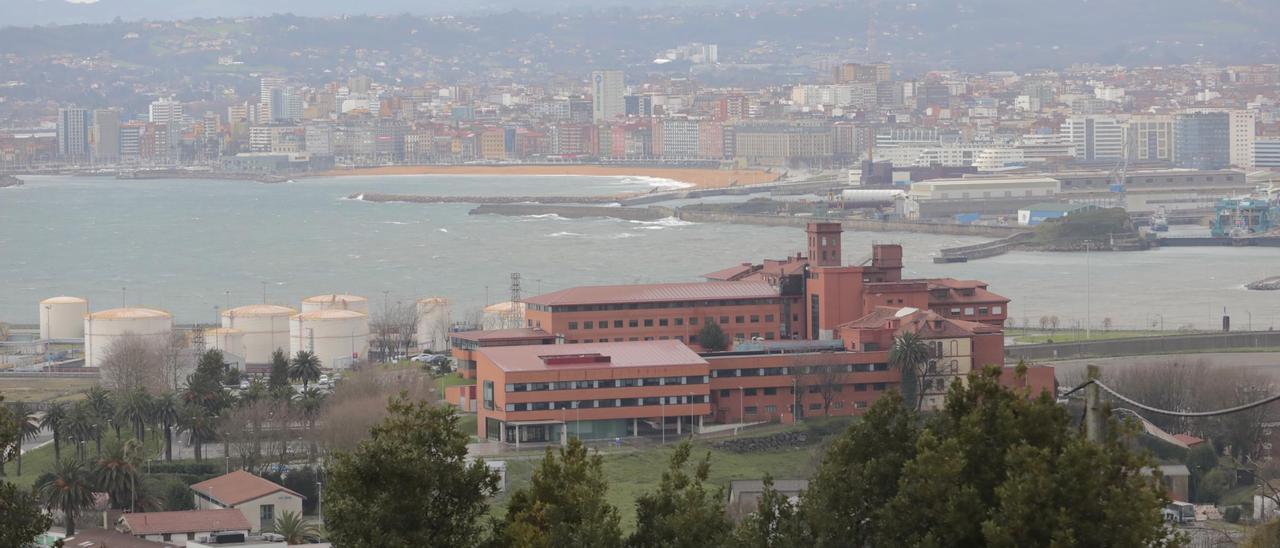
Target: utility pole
[
  {"x": 1093, "y": 417},
  {"x": 1088, "y": 293}
]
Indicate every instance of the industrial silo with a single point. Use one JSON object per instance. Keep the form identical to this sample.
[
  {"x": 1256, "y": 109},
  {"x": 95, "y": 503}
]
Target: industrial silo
[
  {"x": 101, "y": 329},
  {"x": 338, "y": 337},
  {"x": 336, "y": 301},
  {"x": 433, "y": 323},
  {"x": 63, "y": 318},
  {"x": 503, "y": 315},
  {"x": 265, "y": 328},
  {"x": 230, "y": 341}
]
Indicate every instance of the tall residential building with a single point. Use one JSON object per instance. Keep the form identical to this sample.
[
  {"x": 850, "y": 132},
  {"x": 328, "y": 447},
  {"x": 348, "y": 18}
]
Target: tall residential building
[
  {"x": 1095, "y": 137},
  {"x": 1202, "y": 140},
  {"x": 607, "y": 92},
  {"x": 266, "y": 87},
  {"x": 1242, "y": 138},
  {"x": 73, "y": 134},
  {"x": 1266, "y": 152},
  {"x": 105, "y": 136},
  {"x": 285, "y": 104},
  {"x": 167, "y": 115},
  {"x": 1151, "y": 138},
  {"x": 131, "y": 141}
]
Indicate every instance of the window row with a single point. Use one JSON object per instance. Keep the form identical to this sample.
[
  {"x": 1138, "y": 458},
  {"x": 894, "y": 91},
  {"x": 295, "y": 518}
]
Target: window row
[
  {"x": 667, "y": 322},
  {"x": 801, "y": 370},
  {"x": 605, "y": 404},
  {"x": 981, "y": 311},
  {"x": 693, "y": 339},
  {"x": 606, "y": 383},
  {"x": 651, "y": 305},
  {"x": 773, "y": 391}
]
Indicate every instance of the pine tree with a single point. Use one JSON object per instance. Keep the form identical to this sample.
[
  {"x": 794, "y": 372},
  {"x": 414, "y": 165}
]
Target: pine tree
[
  {"x": 711, "y": 338},
  {"x": 563, "y": 505},
  {"x": 684, "y": 512}
]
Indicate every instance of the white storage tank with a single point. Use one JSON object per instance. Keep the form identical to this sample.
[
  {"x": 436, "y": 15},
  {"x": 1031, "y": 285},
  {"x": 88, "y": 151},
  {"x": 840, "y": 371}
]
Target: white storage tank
[
  {"x": 503, "y": 315},
  {"x": 871, "y": 196},
  {"x": 265, "y": 328},
  {"x": 101, "y": 329},
  {"x": 230, "y": 341},
  {"x": 63, "y": 317},
  {"x": 433, "y": 323},
  {"x": 338, "y": 337},
  {"x": 336, "y": 301}
]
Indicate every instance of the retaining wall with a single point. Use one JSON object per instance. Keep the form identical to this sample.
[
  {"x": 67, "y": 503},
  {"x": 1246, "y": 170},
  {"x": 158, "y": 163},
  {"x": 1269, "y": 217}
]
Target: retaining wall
[
  {"x": 576, "y": 212},
  {"x": 1172, "y": 344},
  {"x": 869, "y": 225}
]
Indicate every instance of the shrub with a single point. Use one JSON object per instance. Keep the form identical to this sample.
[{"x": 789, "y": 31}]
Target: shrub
[{"x": 1232, "y": 514}]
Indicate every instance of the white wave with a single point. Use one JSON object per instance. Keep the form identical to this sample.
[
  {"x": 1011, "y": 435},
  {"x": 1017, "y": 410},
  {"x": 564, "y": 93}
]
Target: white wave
[
  {"x": 655, "y": 182},
  {"x": 622, "y": 235},
  {"x": 399, "y": 222},
  {"x": 550, "y": 216},
  {"x": 562, "y": 234},
  {"x": 356, "y": 198},
  {"x": 665, "y": 222},
  {"x": 444, "y": 230},
  {"x": 648, "y": 228}
]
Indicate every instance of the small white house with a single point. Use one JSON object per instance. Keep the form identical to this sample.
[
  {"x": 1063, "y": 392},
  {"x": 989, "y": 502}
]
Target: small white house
[{"x": 261, "y": 501}]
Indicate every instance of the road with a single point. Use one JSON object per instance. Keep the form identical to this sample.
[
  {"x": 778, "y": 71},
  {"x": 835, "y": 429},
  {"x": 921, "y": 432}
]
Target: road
[{"x": 1072, "y": 372}]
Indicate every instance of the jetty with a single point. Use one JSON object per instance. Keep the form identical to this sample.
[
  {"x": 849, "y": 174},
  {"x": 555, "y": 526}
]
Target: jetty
[
  {"x": 1265, "y": 284},
  {"x": 9, "y": 181}
]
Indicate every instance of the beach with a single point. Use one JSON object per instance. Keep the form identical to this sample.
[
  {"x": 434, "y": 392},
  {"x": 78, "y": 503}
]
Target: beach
[{"x": 700, "y": 178}]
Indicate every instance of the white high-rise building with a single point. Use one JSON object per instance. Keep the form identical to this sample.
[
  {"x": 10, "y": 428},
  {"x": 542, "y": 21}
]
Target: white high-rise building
[
  {"x": 170, "y": 113},
  {"x": 105, "y": 136},
  {"x": 1095, "y": 137},
  {"x": 607, "y": 91},
  {"x": 1151, "y": 137},
  {"x": 73, "y": 134}
]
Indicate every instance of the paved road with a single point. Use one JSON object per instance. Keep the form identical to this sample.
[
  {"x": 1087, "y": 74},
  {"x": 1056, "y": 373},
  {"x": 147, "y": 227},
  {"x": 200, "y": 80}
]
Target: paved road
[{"x": 1071, "y": 372}]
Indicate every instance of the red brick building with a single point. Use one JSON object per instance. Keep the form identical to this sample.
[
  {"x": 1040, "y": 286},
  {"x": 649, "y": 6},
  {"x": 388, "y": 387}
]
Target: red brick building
[{"x": 463, "y": 344}]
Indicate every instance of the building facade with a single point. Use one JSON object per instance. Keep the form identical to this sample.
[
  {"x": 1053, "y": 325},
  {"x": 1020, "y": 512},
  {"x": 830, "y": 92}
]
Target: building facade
[{"x": 607, "y": 91}]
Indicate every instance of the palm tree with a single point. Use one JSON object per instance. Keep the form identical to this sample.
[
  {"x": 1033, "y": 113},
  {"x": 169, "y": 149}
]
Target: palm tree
[
  {"x": 305, "y": 367},
  {"x": 68, "y": 490},
  {"x": 82, "y": 425},
  {"x": 116, "y": 471},
  {"x": 909, "y": 354},
  {"x": 104, "y": 407},
  {"x": 28, "y": 428},
  {"x": 294, "y": 528},
  {"x": 136, "y": 409},
  {"x": 199, "y": 423},
  {"x": 165, "y": 411},
  {"x": 55, "y": 419},
  {"x": 310, "y": 402}
]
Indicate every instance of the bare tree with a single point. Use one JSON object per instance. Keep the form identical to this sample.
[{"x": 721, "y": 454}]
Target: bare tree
[
  {"x": 1053, "y": 322},
  {"x": 394, "y": 329},
  {"x": 131, "y": 363},
  {"x": 1044, "y": 323},
  {"x": 178, "y": 359}
]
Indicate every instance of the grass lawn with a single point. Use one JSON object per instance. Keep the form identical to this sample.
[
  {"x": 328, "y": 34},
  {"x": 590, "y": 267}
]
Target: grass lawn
[
  {"x": 40, "y": 460},
  {"x": 631, "y": 474},
  {"x": 454, "y": 379},
  {"x": 467, "y": 423},
  {"x": 44, "y": 389}
]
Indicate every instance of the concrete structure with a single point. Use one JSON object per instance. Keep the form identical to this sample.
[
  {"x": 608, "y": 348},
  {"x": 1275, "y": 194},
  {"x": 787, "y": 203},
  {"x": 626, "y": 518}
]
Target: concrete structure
[
  {"x": 607, "y": 91},
  {"x": 73, "y": 134},
  {"x": 63, "y": 317},
  {"x": 984, "y": 188},
  {"x": 265, "y": 328},
  {"x": 537, "y": 394},
  {"x": 336, "y": 301},
  {"x": 179, "y": 527},
  {"x": 503, "y": 315},
  {"x": 744, "y": 495},
  {"x": 434, "y": 321},
  {"x": 338, "y": 337},
  {"x": 104, "y": 136},
  {"x": 102, "y": 329},
  {"x": 259, "y": 500},
  {"x": 229, "y": 341},
  {"x": 1038, "y": 213}
]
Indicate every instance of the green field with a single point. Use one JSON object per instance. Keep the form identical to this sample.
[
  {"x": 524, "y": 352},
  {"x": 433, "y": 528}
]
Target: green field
[{"x": 1039, "y": 336}]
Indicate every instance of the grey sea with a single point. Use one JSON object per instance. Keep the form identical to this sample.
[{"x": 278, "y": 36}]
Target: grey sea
[{"x": 189, "y": 246}]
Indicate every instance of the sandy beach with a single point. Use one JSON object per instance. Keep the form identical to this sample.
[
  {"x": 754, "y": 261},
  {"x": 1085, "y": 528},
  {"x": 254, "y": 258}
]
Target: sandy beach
[{"x": 701, "y": 178}]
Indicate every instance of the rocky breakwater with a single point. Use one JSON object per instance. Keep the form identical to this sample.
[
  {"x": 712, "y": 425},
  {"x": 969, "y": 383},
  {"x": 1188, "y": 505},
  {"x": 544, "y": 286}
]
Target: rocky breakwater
[
  {"x": 1265, "y": 284},
  {"x": 424, "y": 199},
  {"x": 9, "y": 181},
  {"x": 652, "y": 213}
]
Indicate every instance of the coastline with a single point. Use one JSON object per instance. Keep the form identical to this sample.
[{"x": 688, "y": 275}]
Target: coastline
[{"x": 698, "y": 178}]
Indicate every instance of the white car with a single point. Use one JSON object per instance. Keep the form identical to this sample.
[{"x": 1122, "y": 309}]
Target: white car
[{"x": 424, "y": 358}]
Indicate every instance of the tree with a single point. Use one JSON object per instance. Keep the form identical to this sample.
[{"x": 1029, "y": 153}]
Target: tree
[
  {"x": 135, "y": 408},
  {"x": 68, "y": 490},
  {"x": 305, "y": 367},
  {"x": 165, "y": 410},
  {"x": 199, "y": 423},
  {"x": 294, "y": 528},
  {"x": 910, "y": 354},
  {"x": 102, "y": 408},
  {"x": 310, "y": 403},
  {"x": 394, "y": 329},
  {"x": 55, "y": 420},
  {"x": 131, "y": 362},
  {"x": 563, "y": 505},
  {"x": 992, "y": 469},
  {"x": 409, "y": 484},
  {"x": 116, "y": 471},
  {"x": 26, "y": 426},
  {"x": 859, "y": 475},
  {"x": 20, "y": 516},
  {"x": 682, "y": 512},
  {"x": 775, "y": 523},
  {"x": 711, "y": 338},
  {"x": 82, "y": 426},
  {"x": 278, "y": 381}
]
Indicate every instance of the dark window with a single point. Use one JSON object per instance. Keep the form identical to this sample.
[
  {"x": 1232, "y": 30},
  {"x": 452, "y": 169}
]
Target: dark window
[
  {"x": 724, "y": 393},
  {"x": 860, "y": 387},
  {"x": 771, "y": 391},
  {"x": 815, "y": 407},
  {"x": 648, "y": 323},
  {"x": 679, "y": 321},
  {"x": 617, "y": 324},
  {"x": 588, "y": 325},
  {"x": 768, "y": 318},
  {"x": 750, "y": 391},
  {"x": 738, "y": 319},
  {"x": 267, "y": 513},
  {"x": 755, "y": 318},
  {"x": 749, "y": 410},
  {"x": 633, "y": 323},
  {"x": 693, "y": 321},
  {"x": 488, "y": 395},
  {"x": 724, "y": 319},
  {"x": 662, "y": 322},
  {"x": 573, "y": 325},
  {"x": 878, "y": 387}
]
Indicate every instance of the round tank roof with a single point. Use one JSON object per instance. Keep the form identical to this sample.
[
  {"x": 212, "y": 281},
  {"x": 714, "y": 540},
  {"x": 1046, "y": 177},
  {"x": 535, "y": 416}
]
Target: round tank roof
[
  {"x": 260, "y": 310},
  {"x": 504, "y": 306},
  {"x": 128, "y": 314},
  {"x": 426, "y": 300},
  {"x": 331, "y": 314},
  {"x": 223, "y": 331},
  {"x": 63, "y": 300},
  {"x": 334, "y": 298}
]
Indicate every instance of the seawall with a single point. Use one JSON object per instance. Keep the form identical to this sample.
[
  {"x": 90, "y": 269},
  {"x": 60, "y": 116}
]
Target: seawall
[
  {"x": 867, "y": 225},
  {"x": 1144, "y": 345},
  {"x": 576, "y": 211}
]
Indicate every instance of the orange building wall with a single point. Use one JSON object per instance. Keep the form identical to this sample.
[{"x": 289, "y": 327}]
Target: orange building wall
[
  {"x": 839, "y": 291},
  {"x": 558, "y": 323},
  {"x": 729, "y": 402}
]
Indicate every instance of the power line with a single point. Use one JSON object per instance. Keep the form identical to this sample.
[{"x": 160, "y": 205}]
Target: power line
[{"x": 1189, "y": 414}]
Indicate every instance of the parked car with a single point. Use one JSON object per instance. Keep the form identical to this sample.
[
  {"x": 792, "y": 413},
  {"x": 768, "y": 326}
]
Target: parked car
[{"x": 426, "y": 358}]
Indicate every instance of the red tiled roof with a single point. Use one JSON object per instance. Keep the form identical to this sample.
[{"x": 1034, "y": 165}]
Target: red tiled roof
[
  {"x": 730, "y": 274},
  {"x": 925, "y": 323},
  {"x": 188, "y": 521},
  {"x": 502, "y": 334},
  {"x": 621, "y": 354},
  {"x": 693, "y": 291},
  {"x": 238, "y": 487},
  {"x": 105, "y": 538},
  {"x": 1188, "y": 439}
]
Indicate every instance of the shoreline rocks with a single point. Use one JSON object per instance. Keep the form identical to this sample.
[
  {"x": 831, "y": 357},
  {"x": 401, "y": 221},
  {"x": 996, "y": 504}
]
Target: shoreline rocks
[
  {"x": 9, "y": 181},
  {"x": 1265, "y": 284}
]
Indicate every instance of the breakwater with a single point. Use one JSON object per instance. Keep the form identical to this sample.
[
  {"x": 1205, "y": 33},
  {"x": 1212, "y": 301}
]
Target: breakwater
[
  {"x": 866, "y": 225},
  {"x": 983, "y": 250},
  {"x": 1265, "y": 284},
  {"x": 424, "y": 199},
  {"x": 1172, "y": 344},
  {"x": 9, "y": 180},
  {"x": 576, "y": 211}
]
